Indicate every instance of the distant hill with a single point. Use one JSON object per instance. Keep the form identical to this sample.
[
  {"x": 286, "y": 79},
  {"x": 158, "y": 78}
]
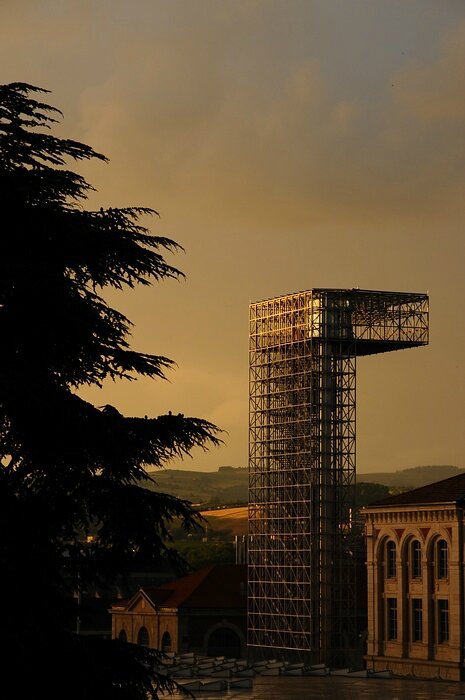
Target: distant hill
[
  {"x": 413, "y": 477},
  {"x": 222, "y": 498},
  {"x": 229, "y": 485}
]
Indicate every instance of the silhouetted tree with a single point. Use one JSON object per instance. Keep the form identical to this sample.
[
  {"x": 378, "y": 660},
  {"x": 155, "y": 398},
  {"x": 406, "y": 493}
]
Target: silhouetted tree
[{"x": 69, "y": 467}]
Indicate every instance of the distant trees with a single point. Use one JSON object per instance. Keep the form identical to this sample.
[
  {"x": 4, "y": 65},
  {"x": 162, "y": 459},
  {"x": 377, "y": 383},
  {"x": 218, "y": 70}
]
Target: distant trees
[
  {"x": 200, "y": 554},
  {"x": 366, "y": 492},
  {"x": 70, "y": 468}
]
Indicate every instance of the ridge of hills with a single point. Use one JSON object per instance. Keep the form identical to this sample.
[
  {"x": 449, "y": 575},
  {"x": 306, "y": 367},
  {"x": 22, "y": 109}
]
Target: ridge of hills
[
  {"x": 413, "y": 477},
  {"x": 229, "y": 485}
]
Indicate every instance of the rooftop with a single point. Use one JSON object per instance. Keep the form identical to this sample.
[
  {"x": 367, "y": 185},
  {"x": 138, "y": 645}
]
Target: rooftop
[
  {"x": 451, "y": 490},
  {"x": 215, "y": 586}
]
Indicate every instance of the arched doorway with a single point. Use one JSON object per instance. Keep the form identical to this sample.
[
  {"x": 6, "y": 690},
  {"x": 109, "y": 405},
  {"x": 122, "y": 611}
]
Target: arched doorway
[
  {"x": 143, "y": 637},
  {"x": 166, "y": 642},
  {"x": 224, "y": 641},
  {"x": 123, "y": 637}
]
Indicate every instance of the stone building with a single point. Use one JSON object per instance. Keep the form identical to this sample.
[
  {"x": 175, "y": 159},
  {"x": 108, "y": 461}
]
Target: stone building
[
  {"x": 415, "y": 567},
  {"x": 204, "y": 613}
]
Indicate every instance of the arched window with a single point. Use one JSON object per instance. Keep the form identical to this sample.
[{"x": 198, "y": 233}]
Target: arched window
[
  {"x": 391, "y": 569},
  {"x": 143, "y": 637},
  {"x": 415, "y": 559},
  {"x": 123, "y": 637},
  {"x": 442, "y": 564},
  {"x": 166, "y": 642}
]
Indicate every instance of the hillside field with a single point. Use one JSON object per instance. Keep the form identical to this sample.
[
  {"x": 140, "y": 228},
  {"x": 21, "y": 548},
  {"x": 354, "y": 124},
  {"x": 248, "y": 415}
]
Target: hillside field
[{"x": 232, "y": 519}]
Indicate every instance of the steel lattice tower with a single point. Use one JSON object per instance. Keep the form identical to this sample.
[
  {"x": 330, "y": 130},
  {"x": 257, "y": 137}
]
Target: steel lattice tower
[{"x": 302, "y": 571}]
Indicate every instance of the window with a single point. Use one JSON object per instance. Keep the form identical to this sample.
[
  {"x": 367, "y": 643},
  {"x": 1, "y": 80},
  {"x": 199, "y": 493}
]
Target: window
[
  {"x": 143, "y": 637},
  {"x": 415, "y": 559},
  {"x": 442, "y": 621},
  {"x": 391, "y": 559},
  {"x": 391, "y": 618},
  {"x": 166, "y": 642},
  {"x": 417, "y": 620},
  {"x": 442, "y": 559}
]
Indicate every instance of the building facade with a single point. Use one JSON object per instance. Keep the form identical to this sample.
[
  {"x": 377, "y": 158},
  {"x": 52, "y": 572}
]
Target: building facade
[
  {"x": 415, "y": 567},
  {"x": 204, "y": 613}
]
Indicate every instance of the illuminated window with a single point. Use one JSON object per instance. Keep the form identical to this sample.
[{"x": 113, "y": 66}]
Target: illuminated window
[{"x": 415, "y": 559}]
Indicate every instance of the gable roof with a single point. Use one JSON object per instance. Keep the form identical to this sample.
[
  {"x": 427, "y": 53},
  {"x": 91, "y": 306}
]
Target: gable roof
[
  {"x": 451, "y": 490},
  {"x": 215, "y": 586}
]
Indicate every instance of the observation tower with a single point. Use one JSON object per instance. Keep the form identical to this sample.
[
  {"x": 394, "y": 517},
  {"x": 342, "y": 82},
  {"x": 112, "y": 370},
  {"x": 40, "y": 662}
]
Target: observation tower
[{"x": 302, "y": 563}]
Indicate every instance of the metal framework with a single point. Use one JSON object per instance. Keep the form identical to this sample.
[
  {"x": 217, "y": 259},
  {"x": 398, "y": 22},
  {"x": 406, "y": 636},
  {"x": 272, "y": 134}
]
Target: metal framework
[{"x": 302, "y": 565}]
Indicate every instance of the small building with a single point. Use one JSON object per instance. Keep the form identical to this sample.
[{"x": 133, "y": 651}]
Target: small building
[
  {"x": 415, "y": 567},
  {"x": 204, "y": 612}
]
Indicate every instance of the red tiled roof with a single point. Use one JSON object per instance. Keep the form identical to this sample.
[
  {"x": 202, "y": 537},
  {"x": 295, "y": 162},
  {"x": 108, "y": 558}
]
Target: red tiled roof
[
  {"x": 216, "y": 586},
  {"x": 156, "y": 595},
  {"x": 451, "y": 490}
]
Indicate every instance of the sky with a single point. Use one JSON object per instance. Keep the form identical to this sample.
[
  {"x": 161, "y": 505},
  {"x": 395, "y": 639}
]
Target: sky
[{"x": 286, "y": 144}]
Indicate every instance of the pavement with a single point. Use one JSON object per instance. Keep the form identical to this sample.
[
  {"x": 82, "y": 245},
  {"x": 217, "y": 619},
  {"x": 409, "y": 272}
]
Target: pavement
[{"x": 340, "y": 688}]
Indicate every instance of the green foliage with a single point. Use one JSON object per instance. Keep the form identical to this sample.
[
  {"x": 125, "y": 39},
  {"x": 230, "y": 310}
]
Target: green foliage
[
  {"x": 201, "y": 554},
  {"x": 366, "y": 493},
  {"x": 68, "y": 467}
]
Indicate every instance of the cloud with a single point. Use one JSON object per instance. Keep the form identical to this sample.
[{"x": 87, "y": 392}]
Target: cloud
[
  {"x": 280, "y": 143},
  {"x": 434, "y": 91}
]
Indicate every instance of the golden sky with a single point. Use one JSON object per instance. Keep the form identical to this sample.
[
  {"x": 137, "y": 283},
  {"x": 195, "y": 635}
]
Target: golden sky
[{"x": 287, "y": 144}]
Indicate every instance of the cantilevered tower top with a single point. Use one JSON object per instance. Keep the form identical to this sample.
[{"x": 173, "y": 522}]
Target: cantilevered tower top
[{"x": 369, "y": 320}]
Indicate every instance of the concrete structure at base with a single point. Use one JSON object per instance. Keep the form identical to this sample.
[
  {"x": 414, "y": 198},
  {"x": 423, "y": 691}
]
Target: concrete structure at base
[
  {"x": 303, "y": 548},
  {"x": 204, "y": 613},
  {"x": 416, "y": 569}
]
